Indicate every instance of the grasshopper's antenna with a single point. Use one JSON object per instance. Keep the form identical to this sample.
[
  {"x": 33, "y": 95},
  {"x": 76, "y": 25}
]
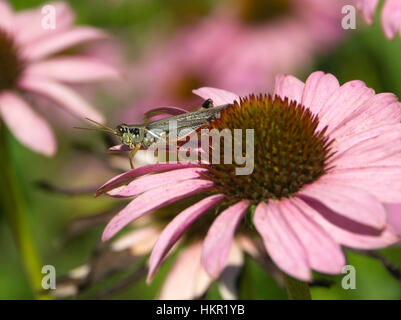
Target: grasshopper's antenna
[{"x": 98, "y": 127}]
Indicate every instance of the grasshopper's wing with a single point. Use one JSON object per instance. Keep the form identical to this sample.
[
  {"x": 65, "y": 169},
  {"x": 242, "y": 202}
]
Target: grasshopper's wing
[
  {"x": 181, "y": 133},
  {"x": 191, "y": 119}
]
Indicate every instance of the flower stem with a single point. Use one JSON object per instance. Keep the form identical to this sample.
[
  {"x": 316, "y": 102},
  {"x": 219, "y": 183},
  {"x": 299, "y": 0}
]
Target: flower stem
[
  {"x": 297, "y": 290},
  {"x": 13, "y": 205}
]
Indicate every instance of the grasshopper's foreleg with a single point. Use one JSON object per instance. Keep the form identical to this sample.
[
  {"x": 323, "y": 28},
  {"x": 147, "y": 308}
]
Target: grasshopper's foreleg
[{"x": 132, "y": 154}]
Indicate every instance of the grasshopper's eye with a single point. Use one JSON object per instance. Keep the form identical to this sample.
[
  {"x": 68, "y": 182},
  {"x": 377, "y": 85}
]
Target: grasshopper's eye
[
  {"x": 120, "y": 129},
  {"x": 134, "y": 131}
]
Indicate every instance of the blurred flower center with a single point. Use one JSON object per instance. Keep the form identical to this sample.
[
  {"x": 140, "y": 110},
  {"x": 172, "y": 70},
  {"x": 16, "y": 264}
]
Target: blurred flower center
[
  {"x": 288, "y": 150},
  {"x": 258, "y": 11},
  {"x": 11, "y": 63}
]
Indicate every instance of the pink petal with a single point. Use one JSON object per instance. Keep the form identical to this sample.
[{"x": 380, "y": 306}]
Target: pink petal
[
  {"x": 382, "y": 182},
  {"x": 381, "y": 109},
  {"x": 64, "y": 18},
  {"x": 344, "y": 143},
  {"x": 394, "y": 216},
  {"x": 368, "y": 9},
  {"x": 382, "y": 149},
  {"x": 176, "y": 228},
  {"x": 318, "y": 89},
  {"x": 152, "y": 200},
  {"x": 148, "y": 182},
  {"x": 76, "y": 69},
  {"x": 346, "y": 232},
  {"x": 123, "y": 178},
  {"x": 280, "y": 241},
  {"x": 29, "y": 127},
  {"x": 60, "y": 41},
  {"x": 347, "y": 201},
  {"x": 62, "y": 95},
  {"x": 120, "y": 148},
  {"x": 187, "y": 279},
  {"x": 288, "y": 86},
  {"x": 324, "y": 254},
  {"x": 391, "y": 18},
  {"x": 219, "y": 96},
  {"x": 342, "y": 103},
  {"x": 217, "y": 244}
]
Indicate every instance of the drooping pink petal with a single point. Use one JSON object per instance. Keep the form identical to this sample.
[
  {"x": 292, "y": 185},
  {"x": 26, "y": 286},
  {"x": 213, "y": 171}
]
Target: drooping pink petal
[
  {"x": 6, "y": 16},
  {"x": 27, "y": 126},
  {"x": 324, "y": 254},
  {"x": 152, "y": 200},
  {"x": 318, "y": 89},
  {"x": 145, "y": 183},
  {"x": 381, "y": 109},
  {"x": 382, "y": 182},
  {"x": 289, "y": 86},
  {"x": 342, "y": 103},
  {"x": 368, "y": 9},
  {"x": 346, "y": 232},
  {"x": 61, "y": 41},
  {"x": 280, "y": 241},
  {"x": 391, "y": 18},
  {"x": 64, "y": 16},
  {"x": 348, "y": 201},
  {"x": 73, "y": 69},
  {"x": 187, "y": 279},
  {"x": 123, "y": 178},
  {"x": 228, "y": 281},
  {"x": 219, "y": 96},
  {"x": 176, "y": 228},
  {"x": 394, "y": 216},
  {"x": 62, "y": 95},
  {"x": 217, "y": 244}
]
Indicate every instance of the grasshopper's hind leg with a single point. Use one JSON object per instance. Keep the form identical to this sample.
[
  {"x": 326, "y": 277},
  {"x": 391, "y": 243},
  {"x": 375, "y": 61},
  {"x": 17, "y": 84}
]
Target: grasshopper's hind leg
[{"x": 132, "y": 154}]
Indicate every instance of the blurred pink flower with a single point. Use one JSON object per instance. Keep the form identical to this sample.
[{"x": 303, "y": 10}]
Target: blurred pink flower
[
  {"x": 227, "y": 50},
  {"x": 28, "y": 66},
  {"x": 328, "y": 190},
  {"x": 390, "y": 15}
]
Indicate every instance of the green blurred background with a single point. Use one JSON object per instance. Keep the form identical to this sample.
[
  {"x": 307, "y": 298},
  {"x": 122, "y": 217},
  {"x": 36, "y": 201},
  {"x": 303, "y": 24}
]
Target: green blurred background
[{"x": 365, "y": 54}]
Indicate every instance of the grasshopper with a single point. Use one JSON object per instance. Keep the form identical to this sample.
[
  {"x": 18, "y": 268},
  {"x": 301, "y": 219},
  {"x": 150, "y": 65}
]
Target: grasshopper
[{"x": 142, "y": 136}]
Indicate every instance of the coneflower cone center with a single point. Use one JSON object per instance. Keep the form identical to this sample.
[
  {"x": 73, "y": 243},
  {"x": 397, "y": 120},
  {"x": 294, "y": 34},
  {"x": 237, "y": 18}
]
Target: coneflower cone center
[
  {"x": 11, "y": 64},
  {"x": 259, "y": 11},
  {"x": 289, "y": 152}
]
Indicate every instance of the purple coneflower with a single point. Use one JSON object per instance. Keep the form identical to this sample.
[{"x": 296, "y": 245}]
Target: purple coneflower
[
  {"x": 326, "y": 161},
  {"x": 28, "y": 65}
]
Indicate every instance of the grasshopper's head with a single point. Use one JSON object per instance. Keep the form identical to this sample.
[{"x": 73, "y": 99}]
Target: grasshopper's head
[{"x": 130, "y": 135}]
